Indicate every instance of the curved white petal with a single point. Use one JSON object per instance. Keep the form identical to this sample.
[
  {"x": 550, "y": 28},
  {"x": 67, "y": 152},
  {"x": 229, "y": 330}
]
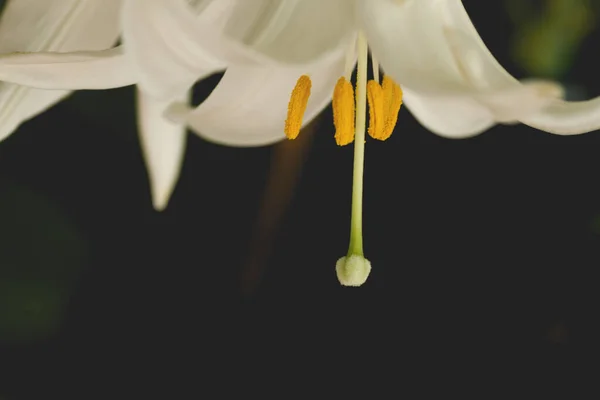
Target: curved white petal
[
  {"x": 451, "y": 118},
  {"x": 50, "y": 26},
  {"x": 559, "y": 117},
  {"x": 513, "y": 104},
  {"x": 432, "y": 47},
  {"x": 567, "y": 117},
  {"x": 163, "y": 146},
  {"x": 292, "y": 31},
  {"x": 466, "y": 116},
  {"x": 479, "y": 64},
  {"x": 249, "y": 105},
  {"x": 455, "y": 86},
  {"x": 173, "y": 44},
  {"x": 170, "y": 46},
  {"x": 59, "y": 25},
  {"x": 104, "y": 69},
  {"x": 409, "y": 40}
]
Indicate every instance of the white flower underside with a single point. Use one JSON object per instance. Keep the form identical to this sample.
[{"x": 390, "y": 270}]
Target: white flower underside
[{"x": 451, "y": 82}]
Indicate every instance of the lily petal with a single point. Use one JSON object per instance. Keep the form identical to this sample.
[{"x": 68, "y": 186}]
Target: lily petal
[
  {"x": 409, "y": 40},
  {"x": 501, "y": 96},
  {"x": 59, "y": 25},
  {"x": 104, "y": 69},
  {"x": 466, "y": 116},
  {"x": 165, "y": 42},
  {"x": 479, "y": 64},
  {"x": 51, "y": 26},
  {"x": 452, "y": 83},
  {"x": 249, "y": 105},
  {"x": 511, "y": 105},
  {"x": 177, "y": 44},
  {"x": 163, "y": 146},
  {"x": 558, "y": 116},
  {"x": 451, "y": 118},
  {"x": 567, "y": 117},
  {"x": 292, "y": 31}
]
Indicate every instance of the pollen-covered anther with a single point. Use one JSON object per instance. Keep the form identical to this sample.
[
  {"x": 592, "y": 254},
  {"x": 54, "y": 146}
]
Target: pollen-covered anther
[
  {"x": 392, "y": 98},
  {"x": 297, "y": 107},
  {"x": 343, "y": 112},
  {"x": 376, "y": 110},
  {"x": 353, "y": 270}
]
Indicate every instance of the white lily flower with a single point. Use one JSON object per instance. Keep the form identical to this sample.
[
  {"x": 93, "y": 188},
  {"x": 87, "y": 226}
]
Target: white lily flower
[{"x": 451, "y": 82}]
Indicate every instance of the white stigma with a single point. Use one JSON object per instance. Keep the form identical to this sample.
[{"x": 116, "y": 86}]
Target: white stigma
[{"x": 353, "y": 270}]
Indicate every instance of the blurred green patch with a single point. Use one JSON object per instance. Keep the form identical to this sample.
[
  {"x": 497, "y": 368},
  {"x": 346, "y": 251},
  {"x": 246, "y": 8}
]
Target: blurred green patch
[
  {"x": 595, "y": 224},
  {"x": 30, "y": 310},
  {"x": 41, "y": 256},
  {"x": 549, "y": 33}
]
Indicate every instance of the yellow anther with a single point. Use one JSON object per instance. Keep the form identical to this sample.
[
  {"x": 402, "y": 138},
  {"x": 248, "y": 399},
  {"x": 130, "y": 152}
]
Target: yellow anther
[
  {"x": 392, "y": 97},
  {"x": 376, "y": 109},
  {"x": 343, "y": 112},
  {"x": 297, "y": 107}
]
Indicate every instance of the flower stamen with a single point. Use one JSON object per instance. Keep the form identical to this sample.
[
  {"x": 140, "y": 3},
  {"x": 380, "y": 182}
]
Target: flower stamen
[
  {"x": 297, "y": 107},
  {"x": 392, "y": 97},
  {"x": 343, "y": 112},
  {"x": 376, "y": 109},
  {"x": 385, "y": 101}
]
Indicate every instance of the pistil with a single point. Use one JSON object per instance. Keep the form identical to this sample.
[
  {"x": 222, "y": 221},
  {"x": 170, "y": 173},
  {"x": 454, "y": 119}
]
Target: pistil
[{"x": 354, "y": 269}]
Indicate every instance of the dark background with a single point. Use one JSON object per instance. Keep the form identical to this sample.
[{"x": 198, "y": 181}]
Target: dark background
[{"x": 484, "y": 254}]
